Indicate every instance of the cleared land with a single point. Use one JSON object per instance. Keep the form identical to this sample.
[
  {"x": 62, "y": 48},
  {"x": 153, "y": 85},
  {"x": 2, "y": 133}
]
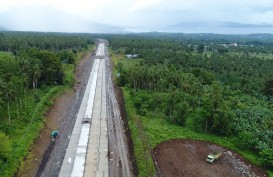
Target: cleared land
[{"x": 187, "y": 158}]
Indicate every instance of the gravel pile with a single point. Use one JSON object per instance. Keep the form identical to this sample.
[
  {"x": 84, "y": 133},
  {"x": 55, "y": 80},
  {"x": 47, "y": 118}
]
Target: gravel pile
[{"x": 229, "y": 158}]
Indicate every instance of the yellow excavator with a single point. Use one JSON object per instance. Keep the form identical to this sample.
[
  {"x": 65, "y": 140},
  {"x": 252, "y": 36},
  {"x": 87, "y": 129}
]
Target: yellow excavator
[{"x": 213, "y": 156}]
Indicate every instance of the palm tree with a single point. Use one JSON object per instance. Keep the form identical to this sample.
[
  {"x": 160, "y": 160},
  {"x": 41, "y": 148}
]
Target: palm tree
[
  {"x": 36, "y": 76},
  {"x": 2, "y": 84},
  {"x": 9, "y": 93},
  {"x": 16, "y": 84}
]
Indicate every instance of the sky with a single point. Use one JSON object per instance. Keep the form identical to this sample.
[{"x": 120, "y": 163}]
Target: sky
[{"x": 13, "y": 13}]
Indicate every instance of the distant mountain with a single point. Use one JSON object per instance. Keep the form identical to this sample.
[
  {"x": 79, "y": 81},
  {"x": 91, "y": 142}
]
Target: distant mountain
[
  {"x": 2, "y": 28},
  {"x": 219, "y": 24},
  {"x": 51, "y": 20},
  {"x": 239, "y": 25}
]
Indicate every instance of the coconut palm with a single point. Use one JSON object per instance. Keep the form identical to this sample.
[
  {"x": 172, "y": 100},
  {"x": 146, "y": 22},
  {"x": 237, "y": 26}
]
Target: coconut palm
[{"x": 36, "y": 76}]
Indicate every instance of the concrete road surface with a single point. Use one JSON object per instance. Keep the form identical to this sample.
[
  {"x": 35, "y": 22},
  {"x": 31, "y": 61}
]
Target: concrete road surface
[
  {"x": 104, "y": 151},
  {"x": 54, "y": 156},
  {"x": 97, "y": 160}
]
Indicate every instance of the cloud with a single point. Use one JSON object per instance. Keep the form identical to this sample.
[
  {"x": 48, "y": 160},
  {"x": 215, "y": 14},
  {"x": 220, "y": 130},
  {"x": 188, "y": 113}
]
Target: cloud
[
  {"x": 153, "y": 12},
  {"x": 140, "y": 5}
]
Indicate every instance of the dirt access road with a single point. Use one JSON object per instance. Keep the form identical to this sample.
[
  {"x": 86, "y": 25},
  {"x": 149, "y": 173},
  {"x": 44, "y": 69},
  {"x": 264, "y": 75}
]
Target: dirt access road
[
  {"x": 120, "y": 163},
  {"x": 186, "y": 158}
]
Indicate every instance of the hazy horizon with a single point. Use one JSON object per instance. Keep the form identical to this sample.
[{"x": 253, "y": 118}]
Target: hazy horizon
[{"x": 90, "y": 15}]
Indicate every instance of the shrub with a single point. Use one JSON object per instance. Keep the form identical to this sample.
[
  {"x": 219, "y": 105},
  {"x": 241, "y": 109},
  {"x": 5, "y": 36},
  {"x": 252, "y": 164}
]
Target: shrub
[
  {"x": 5, "y": 145},
  {"x": 266, "y": 158}
]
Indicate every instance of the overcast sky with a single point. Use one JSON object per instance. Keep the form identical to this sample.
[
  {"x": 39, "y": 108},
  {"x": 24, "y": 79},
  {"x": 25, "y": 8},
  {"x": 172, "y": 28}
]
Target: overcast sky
[{"x": 141, "y": 12}]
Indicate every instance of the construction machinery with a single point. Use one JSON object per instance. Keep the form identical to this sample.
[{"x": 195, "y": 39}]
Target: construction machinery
[
  {"x": 54, "y": 134},
  {"x": 213, "y": 156}
]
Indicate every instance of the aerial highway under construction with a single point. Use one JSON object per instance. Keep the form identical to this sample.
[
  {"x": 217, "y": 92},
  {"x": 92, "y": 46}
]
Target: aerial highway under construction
[{"x": 92, "y": 143}]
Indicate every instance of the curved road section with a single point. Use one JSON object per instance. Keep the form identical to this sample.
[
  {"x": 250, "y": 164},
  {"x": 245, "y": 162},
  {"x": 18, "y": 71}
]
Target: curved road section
[{"x": 97, "y": 145}]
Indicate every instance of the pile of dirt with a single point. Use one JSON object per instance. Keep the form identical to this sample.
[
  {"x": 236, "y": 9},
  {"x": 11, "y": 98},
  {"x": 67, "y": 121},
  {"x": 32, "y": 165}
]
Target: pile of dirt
[{"x": 187, "y": 158}]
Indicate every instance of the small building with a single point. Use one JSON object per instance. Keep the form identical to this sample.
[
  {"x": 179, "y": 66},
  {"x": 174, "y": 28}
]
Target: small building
[
  {"x": 135, "y": 56},
  {"x": 131, "y": 56}
]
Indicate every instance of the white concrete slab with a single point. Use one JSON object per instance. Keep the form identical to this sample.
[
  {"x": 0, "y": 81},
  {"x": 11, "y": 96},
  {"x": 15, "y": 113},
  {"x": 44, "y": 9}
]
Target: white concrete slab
[{"x": 74, "y": 159}]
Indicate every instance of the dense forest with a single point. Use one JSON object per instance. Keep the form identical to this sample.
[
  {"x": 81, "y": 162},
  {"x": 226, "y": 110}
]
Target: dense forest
[
  {"x": 34, "y": 67},
  {"x": 12, "y": 41},
  {"x": 226, "y": 91}
]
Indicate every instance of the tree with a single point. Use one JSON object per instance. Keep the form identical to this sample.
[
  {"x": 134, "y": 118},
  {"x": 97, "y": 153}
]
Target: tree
[
  {"x": 268, "y": 88},
  {"x": 2, "y": 96},
  {"x": 36, "y": 75},
  {"x": 200, "y": 48},
  {"x": 50, "y": 67},
  {"x": 25, "y": 69},
  {"x": 129, "y": 51},
  {"x": 67, "y": 57},
  {"x": 17, "y": 85},
  {"x": 75, "y": 51},
  {"x": 9, "y": 93},
  {"x": 216, "y": 111},
  {"x": 180, "y": 112}
]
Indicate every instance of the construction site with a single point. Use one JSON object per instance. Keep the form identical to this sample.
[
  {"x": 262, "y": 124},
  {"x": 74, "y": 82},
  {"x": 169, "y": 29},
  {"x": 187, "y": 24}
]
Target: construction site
[{"x": 187, "y": 158}]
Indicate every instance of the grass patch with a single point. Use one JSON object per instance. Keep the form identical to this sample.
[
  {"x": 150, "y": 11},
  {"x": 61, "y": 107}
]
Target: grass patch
[
  {"x": 262, "y": 56},
  {"x": 240, "y": 54},
  {"x": 127, "y": 62},
  {"x": 5, "y": 54},
  {"x": 120, "y": 58},
  {"x": 258, "y": 55},
  {"x": 141, "y": 142},
  {"x": 69, "y": 71}
]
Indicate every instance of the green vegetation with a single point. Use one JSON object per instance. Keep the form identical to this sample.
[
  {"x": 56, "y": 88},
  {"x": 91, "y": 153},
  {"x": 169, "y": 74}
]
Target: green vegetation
[
  {"x": 176, "y": 92},
  {"x": 16, "y": 41},
  {"x": 23, "y": 130},
  {"x": 158, "y": 130},
  {"x": 198, "y": 86},
  {"x": 142, "y": 145},
  {"x": 34, "y": 69}
]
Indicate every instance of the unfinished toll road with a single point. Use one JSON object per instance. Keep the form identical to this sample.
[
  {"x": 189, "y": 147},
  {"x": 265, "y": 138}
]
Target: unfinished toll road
[{"x": 101, "y": 144}]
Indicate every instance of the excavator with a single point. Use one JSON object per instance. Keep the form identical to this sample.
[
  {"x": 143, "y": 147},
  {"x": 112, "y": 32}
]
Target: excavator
[
  {"x": 213, "y": 156},
  {"x": 54, "y": 134}
]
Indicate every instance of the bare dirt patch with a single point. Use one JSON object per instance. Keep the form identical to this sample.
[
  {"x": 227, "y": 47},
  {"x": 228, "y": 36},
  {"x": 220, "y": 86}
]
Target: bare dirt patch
[
  {"x": 187, "y": 158},
  {"x": 55, "y": 117}
]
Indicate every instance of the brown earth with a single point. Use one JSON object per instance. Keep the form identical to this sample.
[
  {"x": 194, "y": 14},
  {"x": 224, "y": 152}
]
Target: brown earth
[
  {"x": 187, "y": 158},
  {"x": 54, "y": 118},
  {"x": 130, "y": 145}
]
